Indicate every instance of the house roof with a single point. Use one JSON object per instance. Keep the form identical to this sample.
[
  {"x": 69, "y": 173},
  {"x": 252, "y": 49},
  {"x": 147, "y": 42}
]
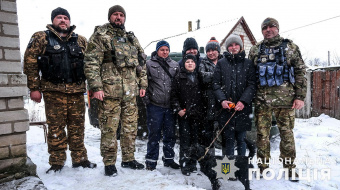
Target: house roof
[
  {"x": 246, "y": 28},
  {"x": 203, "y": 35}
]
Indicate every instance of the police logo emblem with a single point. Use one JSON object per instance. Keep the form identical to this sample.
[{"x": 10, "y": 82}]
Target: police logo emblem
[
  {"x": 56, "y": 47},
  {"x": 225, "y": 168},
  {"x": 271, "y": 56}
]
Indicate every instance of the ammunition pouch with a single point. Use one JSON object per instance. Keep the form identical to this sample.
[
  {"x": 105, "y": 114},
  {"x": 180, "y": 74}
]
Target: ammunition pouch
[{"x": 272, "y": 68}]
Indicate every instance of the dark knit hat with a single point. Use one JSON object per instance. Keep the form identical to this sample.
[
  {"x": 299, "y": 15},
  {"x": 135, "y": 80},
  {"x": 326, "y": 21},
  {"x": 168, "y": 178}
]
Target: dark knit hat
[
  {"x": 213, "y": 44},
  {"x": 116, "y": 8},
  {"x": 189, "y": 56},
  {"x": 188, "y": 44},
  {"x": 60, "y": 11},
  {"x": 233, "y": 38},
  {"x": 270, "y": 22},
  {"x": 162, "y": 43}
]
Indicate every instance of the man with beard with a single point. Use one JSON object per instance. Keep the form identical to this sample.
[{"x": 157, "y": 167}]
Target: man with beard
[
  {"x": 58, "y": 54},
  {"x": 281, "y": 89},
  {"x": 116, "y": 73}
]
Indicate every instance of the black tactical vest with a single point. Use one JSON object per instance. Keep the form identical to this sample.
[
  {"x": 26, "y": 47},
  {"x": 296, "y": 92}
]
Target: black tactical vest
[
  {"x": 272, "y": 68},
  {"x": 63, "y": 61}
]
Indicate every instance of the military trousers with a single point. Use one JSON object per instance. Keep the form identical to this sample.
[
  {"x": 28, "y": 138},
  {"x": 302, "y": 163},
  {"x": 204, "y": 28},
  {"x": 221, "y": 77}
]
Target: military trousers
[
  {"x": 65, "y": 110},
  {"x": 285, "y": 118},
  {"x": 113, "y": 111}
]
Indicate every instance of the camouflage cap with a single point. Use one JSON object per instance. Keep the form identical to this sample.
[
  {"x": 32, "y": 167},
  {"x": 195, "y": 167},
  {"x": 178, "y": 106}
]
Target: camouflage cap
[
  {"x": 270, "y": 22},
  {"x": 116, "y": 8}
]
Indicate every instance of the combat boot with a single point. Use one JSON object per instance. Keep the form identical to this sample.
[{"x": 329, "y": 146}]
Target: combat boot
[
  {"x": 133, "y": 165},
  {"x": 111, "y": 170},
  {"x": 84, "y": 164},
  {"x": 55, "y": 168}
]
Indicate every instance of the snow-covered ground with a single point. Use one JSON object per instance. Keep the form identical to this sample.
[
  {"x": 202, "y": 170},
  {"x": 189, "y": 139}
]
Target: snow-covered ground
[{"x": 317, "y": 139}]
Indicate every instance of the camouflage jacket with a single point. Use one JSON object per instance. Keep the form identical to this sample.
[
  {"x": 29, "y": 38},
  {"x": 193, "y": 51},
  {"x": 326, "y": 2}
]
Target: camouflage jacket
[
  {"x": 102, "y": 70},
  {"x": 284, "y": 95},
  {"x": 35, "y": 48}
]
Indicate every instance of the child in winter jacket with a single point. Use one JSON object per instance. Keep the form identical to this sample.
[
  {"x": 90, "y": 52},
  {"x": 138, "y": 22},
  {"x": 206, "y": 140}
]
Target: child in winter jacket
[{"x": 187, "y": 102}]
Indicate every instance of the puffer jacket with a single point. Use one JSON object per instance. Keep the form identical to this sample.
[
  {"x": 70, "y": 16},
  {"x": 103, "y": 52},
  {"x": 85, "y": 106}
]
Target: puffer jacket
[
  {"x": 159, "y": 82},
  {"x": 235, "y": 80},
  {"x": 187, "y": 94}
]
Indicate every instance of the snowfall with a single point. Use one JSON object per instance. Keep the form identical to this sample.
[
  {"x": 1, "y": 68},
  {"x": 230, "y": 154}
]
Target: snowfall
[{"x": 317, "y": 145}]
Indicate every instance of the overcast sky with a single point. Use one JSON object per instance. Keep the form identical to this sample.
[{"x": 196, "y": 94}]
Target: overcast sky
[{"x": 155, "y": 19}]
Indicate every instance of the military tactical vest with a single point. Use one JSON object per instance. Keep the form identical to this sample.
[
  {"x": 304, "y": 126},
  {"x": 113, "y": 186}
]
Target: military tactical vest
[
  {"x": 272, "y": 67},
  {"x": 123, "y": 53},
  {"x": 63, "y": 61}
]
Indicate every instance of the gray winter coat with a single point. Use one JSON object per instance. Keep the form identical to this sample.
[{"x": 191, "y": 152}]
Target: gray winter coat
[{"x": 159, "y": 82}]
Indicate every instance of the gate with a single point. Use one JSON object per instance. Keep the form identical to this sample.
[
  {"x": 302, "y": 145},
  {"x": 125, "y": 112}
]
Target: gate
[{"x": 326, "y": 92}]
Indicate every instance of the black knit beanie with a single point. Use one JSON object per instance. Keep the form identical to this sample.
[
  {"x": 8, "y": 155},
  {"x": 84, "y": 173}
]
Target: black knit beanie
[
  {"x": 116, "y": 8},
  {"x": 189, "y": 56},
  {"x": 60, "y": 11},
  {"x": 188, "y": 44}
]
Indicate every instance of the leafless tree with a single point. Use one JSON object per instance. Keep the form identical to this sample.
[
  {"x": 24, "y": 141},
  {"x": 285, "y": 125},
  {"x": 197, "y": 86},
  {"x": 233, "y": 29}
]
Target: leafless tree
[{"x": 336, "y": 59}]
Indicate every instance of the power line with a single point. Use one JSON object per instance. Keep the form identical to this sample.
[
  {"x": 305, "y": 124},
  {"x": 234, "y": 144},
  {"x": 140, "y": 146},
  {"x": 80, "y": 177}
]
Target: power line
[{"x": 311, "y": 24}]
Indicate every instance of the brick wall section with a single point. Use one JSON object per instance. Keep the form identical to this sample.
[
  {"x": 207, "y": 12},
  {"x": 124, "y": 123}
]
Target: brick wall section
[{"x": 13, "y": 117}]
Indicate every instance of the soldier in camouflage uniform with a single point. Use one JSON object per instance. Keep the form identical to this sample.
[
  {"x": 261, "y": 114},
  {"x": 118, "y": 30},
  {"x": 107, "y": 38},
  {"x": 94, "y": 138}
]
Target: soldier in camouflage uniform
[
  {"x": 58, "y": 54},
  {"x": 281, "y": 89},
  {"x": 115, "y": 70}
]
